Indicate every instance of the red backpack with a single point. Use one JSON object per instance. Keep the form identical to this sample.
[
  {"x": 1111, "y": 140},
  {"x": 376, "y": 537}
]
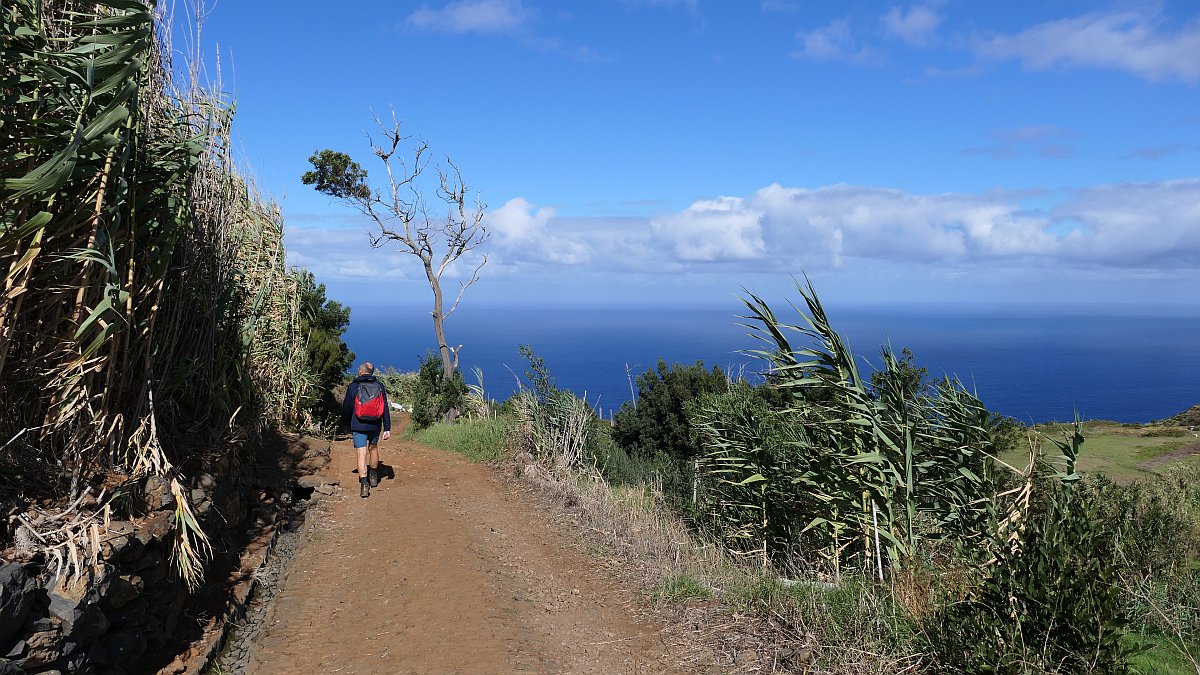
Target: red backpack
[{"x": 368, "y": 404}]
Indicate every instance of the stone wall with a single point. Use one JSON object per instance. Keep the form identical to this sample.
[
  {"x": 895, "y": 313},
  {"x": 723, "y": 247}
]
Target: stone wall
[{"x": 123, "y": 614}]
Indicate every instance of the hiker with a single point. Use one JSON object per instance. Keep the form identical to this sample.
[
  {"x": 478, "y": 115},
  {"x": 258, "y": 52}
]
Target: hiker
[{"x": 368, "y": 415}]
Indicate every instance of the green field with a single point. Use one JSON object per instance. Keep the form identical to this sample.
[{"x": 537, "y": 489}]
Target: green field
[{"x": 1123, "y": 452}]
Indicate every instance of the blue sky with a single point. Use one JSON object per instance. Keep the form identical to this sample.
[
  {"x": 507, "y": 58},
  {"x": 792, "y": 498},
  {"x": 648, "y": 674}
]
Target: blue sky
[{"x": 666, "y": 152}]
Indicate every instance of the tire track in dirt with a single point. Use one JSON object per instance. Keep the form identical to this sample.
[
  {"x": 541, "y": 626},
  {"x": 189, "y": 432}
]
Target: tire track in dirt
[{"x": 446, "y": 569}]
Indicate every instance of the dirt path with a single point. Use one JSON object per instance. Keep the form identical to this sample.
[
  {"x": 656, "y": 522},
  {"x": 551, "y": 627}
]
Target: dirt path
[
  {"x": 1175, "y": 455},
  {"x": 446, "y": 569}
]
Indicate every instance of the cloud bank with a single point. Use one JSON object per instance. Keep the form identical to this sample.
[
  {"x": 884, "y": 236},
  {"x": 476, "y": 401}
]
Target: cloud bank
[{"x": 1125, "y": 228}]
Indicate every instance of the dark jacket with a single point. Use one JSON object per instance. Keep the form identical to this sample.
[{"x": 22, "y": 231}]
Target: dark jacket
[{"x": 356, "y": 424}]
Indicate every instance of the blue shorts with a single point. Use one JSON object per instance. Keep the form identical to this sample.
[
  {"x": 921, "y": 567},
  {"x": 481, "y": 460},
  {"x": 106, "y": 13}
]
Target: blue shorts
[{"x": 362, "y": 438}]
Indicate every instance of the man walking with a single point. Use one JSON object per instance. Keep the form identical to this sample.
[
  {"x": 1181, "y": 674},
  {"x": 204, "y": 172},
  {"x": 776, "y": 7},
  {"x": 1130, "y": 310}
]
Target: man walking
[{"x": 367, "y": 413}]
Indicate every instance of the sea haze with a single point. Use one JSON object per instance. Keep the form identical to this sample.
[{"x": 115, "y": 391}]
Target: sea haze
[{"x": 1037, "y": 363}]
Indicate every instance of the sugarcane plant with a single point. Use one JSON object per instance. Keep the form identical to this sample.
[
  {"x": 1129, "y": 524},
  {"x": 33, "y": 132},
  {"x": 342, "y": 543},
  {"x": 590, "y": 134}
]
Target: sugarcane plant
[
  {"x": 148, "y": 320},
  {"x": 864, "y": 474}
]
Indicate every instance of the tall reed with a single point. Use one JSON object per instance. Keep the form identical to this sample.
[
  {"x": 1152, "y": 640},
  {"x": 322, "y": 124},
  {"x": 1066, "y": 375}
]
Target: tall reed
[{"x": 148, "y": 321}]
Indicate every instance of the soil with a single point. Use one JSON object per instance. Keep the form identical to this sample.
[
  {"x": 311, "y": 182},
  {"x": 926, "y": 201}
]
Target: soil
[{"x": 447, "y": 568}]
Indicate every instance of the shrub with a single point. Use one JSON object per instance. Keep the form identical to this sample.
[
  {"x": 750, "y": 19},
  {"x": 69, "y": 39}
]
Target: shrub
[
  {"x": 434, "y": 398},
  {"x": 868, "y": 474},
  {"x": 655, "y": 430},
  {"x": 563, "y": 431},
  {"x": 1050, "y": 602},
  {"x": 657, "y": 422},
  {"x": 748, "y": 476},
  {"x": 323, "y": 323},
  {"x": 401, "y": 387},
  {"x": 1154, "y": 531},
  {"x": 558, "y": 428}
]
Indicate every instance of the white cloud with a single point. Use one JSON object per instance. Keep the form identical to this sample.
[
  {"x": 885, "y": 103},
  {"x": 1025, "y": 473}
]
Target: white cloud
[
  {"x": 914, "y": 26},
  {"x": 1135, "y": 224},
  {"x": 834, "y": 42},
  {"x": 712, "y": 229},
  {"x": 831, "y": 223},
  {"x": 472, "y": 16},
  {"x": 522, "y": 234},
  {"x": 1115, "y": 226},
  {"x": 1133, "y": 42},
  {"x": 340, "y": 253}
]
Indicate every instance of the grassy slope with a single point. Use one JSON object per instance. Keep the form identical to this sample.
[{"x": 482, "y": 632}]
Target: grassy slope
[
  {"x": 479, "y": 441},
  {"x": 1119, "y": 450}
]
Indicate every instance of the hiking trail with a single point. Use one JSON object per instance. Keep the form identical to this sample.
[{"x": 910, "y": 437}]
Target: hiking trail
[{"x": 447, "y": 568}]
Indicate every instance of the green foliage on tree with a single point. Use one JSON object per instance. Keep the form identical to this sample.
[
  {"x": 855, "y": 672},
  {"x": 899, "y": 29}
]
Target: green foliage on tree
[
  {"x": 323, "y": 322},
  {"x": 907, "y": 377},
  {"x": 657, "y": 422},
  {"x": 435, "y": 397},
  {"x": 336, "y": 175}
]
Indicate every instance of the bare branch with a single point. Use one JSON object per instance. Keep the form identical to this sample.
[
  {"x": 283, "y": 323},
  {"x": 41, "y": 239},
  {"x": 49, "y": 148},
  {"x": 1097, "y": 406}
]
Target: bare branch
[
  {"x": 401, "y": 214},
  {"x": 464, "y": 286}
]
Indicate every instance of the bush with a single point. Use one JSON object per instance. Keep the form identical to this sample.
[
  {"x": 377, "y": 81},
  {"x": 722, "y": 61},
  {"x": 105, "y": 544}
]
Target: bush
[
  {"x": 401, "y": 387},
  {"x": 620, "y": 468},
  {"x": 434, "y": 398},
  {"x": 323, "y": 323},
  {"x": 655, "y": 430},
  {"x": 1154, "y": 530},
  {"x": 1050, "y": 603},
  {"x": 657, "y": 422}
]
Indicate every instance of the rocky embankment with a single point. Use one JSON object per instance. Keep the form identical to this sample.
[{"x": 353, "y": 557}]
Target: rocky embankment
[{"x": 127, "y": 611}]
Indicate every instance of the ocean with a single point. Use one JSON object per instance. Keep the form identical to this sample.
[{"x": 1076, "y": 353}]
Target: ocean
[{"x": 1037, "y": 363}]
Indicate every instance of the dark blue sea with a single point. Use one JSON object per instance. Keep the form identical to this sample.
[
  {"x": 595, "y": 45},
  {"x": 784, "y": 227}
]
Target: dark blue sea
[{"x": 1037, "y": 363}]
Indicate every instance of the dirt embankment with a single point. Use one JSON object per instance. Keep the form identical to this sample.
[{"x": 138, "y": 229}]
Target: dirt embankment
[{"x": 446, "y": 569}]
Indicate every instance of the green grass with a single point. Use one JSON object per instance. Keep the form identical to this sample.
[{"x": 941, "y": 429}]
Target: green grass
[
  {"x": 1162, "y": 657},
  {"x": 681, "y": 587},
  {"x": 477, "y": 440},
  {"x": 1116, "y": 449}
]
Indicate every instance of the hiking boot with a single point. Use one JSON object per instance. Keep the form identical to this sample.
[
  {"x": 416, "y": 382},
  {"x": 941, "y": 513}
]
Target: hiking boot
[
  {"x": 373, "y": 477},
  {"x": 364, "y": 488}
]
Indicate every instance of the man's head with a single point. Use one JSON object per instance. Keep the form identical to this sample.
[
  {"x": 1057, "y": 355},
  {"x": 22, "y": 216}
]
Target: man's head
[{"x": 366, "y": 369}]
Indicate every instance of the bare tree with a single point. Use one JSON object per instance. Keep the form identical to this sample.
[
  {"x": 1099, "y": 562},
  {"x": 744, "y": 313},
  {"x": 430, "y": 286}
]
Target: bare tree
[{"x": 401, "y": 212}]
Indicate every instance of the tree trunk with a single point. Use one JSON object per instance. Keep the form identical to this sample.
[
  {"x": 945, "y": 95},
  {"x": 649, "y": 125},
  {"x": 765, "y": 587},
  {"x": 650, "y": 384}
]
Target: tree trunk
[{"x": 439, "y": 331}]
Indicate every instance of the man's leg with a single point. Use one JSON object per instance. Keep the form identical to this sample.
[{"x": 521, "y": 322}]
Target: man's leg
[
  {"x": 364, "y": 489},
  {"x": 373, "y": 463}
]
